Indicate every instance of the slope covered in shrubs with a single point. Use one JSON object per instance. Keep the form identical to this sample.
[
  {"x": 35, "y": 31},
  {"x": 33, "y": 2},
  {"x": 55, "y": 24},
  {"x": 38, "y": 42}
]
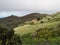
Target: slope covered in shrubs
[{"x": 44, "y": 32}]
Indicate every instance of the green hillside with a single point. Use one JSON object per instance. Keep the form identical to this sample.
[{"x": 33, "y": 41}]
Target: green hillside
[
  {"x": 43, "y": 32},
  {"x": 32, "y": 29}
]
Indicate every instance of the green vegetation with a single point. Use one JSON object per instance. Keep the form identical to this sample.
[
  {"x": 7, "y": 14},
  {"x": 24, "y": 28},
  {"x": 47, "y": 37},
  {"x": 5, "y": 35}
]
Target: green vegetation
[
  {"x": 13, "y": 21},
  {"x": 7, "y": 37},
  {"x": 32, "y": 29},
  {"x": 45, "y": 32}
]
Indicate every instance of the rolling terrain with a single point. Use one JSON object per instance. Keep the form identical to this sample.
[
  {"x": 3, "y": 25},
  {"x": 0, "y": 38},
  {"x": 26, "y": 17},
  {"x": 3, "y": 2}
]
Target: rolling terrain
[
  {"x": 43, "y": 32},
  {"x": 33, "y": 29},
  {"x": 12, "y": 21}
]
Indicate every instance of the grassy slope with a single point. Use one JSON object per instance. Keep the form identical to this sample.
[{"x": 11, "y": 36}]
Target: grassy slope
[
  {"x": 21, "y": 30},
  {"x": 26, "y": 29}
]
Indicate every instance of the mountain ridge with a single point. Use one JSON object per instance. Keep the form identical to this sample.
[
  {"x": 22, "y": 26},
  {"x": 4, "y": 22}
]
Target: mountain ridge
[{"x": 15, "y": 20}]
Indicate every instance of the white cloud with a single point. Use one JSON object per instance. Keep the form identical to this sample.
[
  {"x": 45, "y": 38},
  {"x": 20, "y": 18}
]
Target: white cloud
[
  {"x": 29, "y": 5},
  {"x": 44, "y": 6},
  {"x": 17, "y": 13}
]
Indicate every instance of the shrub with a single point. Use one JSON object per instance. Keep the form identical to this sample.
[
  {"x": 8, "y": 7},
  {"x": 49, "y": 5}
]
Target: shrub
[
  {"x": 31, "y": 23},
  {"x": 6, "y": 37},
  {"x": 41, "y": 21}
]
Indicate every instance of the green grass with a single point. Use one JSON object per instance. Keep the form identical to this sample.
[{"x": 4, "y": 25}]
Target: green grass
[{"x": 25, "y": 29}]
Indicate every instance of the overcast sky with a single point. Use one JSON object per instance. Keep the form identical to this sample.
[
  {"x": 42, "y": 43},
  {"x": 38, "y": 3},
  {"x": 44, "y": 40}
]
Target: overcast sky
[{"x": 23, "y": 7}]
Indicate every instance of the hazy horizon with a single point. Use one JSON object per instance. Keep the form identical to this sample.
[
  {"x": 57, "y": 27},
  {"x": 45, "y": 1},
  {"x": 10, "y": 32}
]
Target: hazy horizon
[{"x": 23, "y": 7}]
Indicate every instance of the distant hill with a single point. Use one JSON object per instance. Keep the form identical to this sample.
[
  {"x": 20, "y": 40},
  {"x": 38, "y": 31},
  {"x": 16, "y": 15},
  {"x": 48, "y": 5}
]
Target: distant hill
[
  {"x": 32, "y": 16},
  {"x": 15, "y": 20},
  {"x": 9, "y": 19}
]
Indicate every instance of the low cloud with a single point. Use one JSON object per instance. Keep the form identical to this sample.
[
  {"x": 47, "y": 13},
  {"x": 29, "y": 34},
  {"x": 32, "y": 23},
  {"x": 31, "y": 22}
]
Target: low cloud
[
  {"x": 43, "y": 6},
  {"x": 21, "y": 5}
]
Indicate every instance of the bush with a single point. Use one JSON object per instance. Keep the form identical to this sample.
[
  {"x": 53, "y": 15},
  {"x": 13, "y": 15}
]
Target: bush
[
  {"x": 31, "y": 23},
  {"x": 7, "y": 37},
  {"x": 41, "y": 21}
]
